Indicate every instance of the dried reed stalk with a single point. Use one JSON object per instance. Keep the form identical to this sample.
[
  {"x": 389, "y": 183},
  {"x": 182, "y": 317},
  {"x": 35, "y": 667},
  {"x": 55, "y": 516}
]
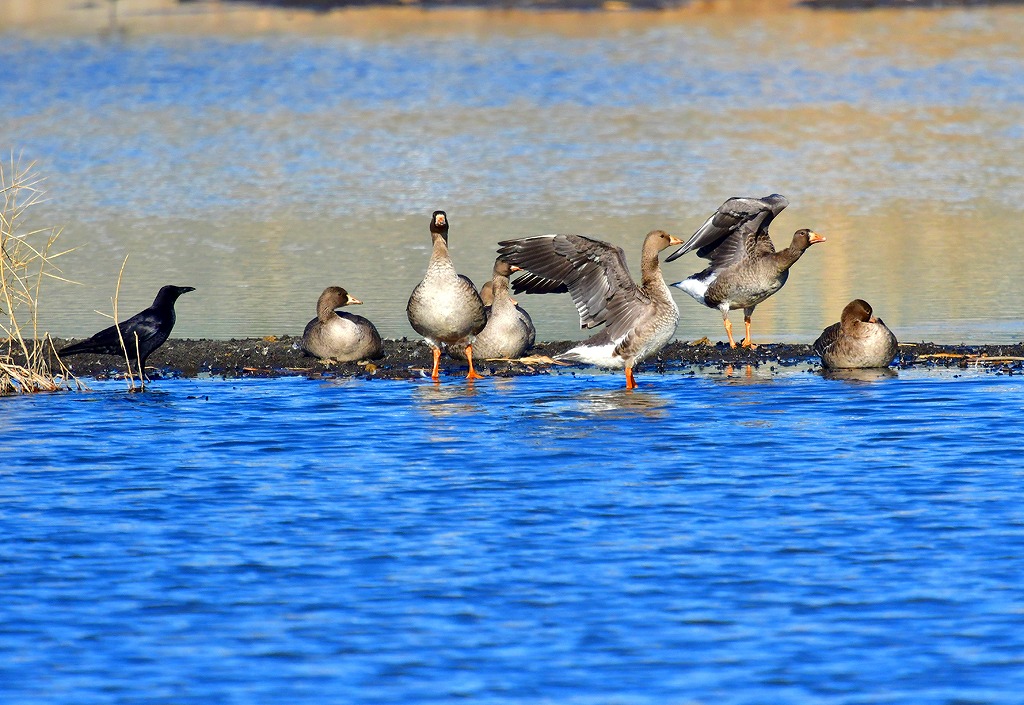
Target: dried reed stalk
[
  {"x": 129, "y": 377},
  {"x": 26, "y": 260}
]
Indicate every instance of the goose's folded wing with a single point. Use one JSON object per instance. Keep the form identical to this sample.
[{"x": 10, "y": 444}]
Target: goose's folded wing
[{"x": 828, "y": 338}]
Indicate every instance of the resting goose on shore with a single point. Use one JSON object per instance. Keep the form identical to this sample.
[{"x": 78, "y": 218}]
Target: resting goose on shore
[
  {"x": 639, "y": 319},
  {"x": 509, "y": 331},
  {"x": 745, "y": 268},
  {"x": 859, "y": 340},
  {"x": 142, "y": 333},
  {"x": 445, "y": 307},
  {"x": 338, "y": 335}
]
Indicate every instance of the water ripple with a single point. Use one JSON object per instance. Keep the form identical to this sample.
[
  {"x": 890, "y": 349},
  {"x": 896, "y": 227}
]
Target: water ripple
[{"x": 538, "y": 538}]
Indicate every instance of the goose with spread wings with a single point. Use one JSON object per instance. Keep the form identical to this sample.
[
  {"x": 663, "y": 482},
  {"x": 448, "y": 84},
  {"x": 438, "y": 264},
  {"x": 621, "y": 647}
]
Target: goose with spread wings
[
  {"x": 745, "y": 268},
  {"x": 638, "y": 319}
]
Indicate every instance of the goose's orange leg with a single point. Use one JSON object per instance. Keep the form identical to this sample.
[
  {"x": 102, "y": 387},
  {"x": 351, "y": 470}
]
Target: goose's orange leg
[
  {"x": 728, "y": 331},
  {"x": 746, "y": 341},
  {"x": 630, "y": 382},
  {"x": 472, "y": 374},
  {"x": 434, "y": 374}
]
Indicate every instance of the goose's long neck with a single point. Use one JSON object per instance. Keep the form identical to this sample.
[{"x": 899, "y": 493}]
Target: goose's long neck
[
  {"x": 784, "y": 259},
  {"x": 325, "y": 310},
  {"x": 500, "y": 287},
  {"x": 439, "y": 257},
  {"x": 651, "y": 278}
]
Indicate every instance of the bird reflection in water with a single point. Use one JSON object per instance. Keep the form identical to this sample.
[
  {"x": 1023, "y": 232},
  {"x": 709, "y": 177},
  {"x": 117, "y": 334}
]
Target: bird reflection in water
[
  {"x": 570, "y": 406},
  {"x": 608, "y": 403},
  {"x": 615, "y": 402},
  {"x": 444, "y": 400},
  {"x": 746, "y": 375},
  {"x": 862, "y": 375}
]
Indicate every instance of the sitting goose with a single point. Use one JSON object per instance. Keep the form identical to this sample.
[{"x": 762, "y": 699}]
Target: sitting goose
[
  {"x": 509, "y": 331},
  {"x": 745, "y": 268},
  {"x": 445, "y": 307},
  {"x": 858, "y": 340},
  {"x": 340, "y": 336},
  {"x": 639, "y": 320}
]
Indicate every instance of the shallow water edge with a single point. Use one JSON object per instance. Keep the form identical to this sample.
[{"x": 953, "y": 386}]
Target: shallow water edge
[{"x": 276, "y": 356}]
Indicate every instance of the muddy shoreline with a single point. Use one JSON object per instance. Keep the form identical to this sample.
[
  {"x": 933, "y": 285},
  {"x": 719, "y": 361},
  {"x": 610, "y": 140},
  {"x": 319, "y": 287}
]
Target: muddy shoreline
[
  {"x": 325, "y": 6},
  {"x": 411, "y": 359}
]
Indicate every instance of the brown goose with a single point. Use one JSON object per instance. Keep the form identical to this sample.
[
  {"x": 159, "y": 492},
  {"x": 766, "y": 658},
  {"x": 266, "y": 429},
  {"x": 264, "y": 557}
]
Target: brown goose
[
  {"x": 639, "y": 320},
  {"x": 337, "y": 335},
  {"x": 487, "y": 293},
  {"x": 858, "y": 340},
  {"x": 445, "y": 308},
  {"x": 745, "y": 268},
  {"x": 509, "y": 331}
]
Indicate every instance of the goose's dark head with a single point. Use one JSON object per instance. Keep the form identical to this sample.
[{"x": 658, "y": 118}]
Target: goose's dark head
[
  {"x": 333, "y": 297},
  {"x": 439, "y": 225},
  {"x": 502, "y": 268},
  {"x": 658, "y": 240},
  {"x": 337, "y": 297},
  {"x": 802, "y": 239},
  {"x": 662, "y": 239},
  {"x": 857, "y": 311}
]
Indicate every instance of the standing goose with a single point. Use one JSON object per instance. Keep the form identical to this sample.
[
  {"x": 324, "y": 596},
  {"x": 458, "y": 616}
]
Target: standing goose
[
  {"x": 445, "y": 307},
  {"x": 639, "y": 319},
  {"x": 338, "y": 335},
  {"x": 509, "y": 331},
  {"x": 858, "y": 340},
  {"x": 745, "y": 268}
]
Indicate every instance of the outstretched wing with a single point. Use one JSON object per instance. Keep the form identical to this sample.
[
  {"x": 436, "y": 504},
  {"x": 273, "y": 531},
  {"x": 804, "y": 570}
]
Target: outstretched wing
[
  {"x": 593, "y": 272},
  {"x": 728, "y": 236}
]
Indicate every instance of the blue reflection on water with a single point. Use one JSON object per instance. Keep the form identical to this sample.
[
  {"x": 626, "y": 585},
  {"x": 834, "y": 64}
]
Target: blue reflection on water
[
  {"x": 303, "y": 75},
  {"x": 549, "y": 539},
  {"x": 170, "y": 124}
]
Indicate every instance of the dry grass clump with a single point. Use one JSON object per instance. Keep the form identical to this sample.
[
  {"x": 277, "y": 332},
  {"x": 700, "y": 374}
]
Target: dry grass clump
[{"x": 26, "y": 260}]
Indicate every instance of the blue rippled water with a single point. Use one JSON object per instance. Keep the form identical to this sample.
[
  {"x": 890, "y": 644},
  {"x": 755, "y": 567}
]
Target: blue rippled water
[
  {"x": 778, "y": 538},
  {"x": 301, "y": 75}
]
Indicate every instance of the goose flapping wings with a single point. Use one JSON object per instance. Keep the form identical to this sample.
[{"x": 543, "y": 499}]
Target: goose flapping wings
[
  {"x": 594, "y": 273},
  {"x": 737, "y": 230}
]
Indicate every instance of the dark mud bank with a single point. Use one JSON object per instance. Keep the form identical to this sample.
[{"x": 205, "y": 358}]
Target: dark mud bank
[
  {"x": 598, "y": 5},
  {"x": 411, "y": 359}
]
